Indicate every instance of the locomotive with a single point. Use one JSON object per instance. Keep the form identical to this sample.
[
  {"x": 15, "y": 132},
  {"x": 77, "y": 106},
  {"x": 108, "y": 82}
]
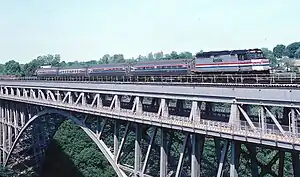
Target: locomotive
[{"x": 218, "y": 62}]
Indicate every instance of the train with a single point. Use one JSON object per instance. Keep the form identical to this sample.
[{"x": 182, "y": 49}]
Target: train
[{"x": 250, "y": 61}]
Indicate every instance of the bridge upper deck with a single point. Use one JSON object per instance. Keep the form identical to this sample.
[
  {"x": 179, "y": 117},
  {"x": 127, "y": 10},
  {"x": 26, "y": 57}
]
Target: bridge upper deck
[{"x": 255, "y": 94}]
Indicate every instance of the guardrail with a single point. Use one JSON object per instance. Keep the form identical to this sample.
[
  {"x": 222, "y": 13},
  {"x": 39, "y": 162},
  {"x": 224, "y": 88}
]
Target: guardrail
[{"x": 276, "y": 78}]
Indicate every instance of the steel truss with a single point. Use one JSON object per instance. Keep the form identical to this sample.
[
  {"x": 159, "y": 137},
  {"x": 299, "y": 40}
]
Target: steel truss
[{"x": 30, "y": 116}]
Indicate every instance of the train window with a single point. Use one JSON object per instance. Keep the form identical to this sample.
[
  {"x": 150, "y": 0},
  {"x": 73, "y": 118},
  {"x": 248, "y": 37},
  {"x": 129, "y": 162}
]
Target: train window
[
  {"x": 254, "y": 55},
  {"x": 242, "y": 57}
]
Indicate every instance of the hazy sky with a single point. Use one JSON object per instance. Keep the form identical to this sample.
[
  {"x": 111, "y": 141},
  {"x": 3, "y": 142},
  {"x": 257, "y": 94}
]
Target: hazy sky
[{"x": 86, "y": 30}]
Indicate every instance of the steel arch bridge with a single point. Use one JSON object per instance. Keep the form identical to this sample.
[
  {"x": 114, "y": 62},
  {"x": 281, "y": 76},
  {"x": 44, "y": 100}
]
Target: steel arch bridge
[{"x": 30, "y": 115}]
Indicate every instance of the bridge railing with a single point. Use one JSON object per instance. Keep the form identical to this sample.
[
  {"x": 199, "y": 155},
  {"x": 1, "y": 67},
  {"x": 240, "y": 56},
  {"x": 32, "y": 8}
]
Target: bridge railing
[
  {"x": 243, "y": 128},
  {"x": 281, "y": 78}
]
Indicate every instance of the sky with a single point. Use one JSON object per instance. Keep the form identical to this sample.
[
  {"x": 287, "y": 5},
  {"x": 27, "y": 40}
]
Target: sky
[{"x": 87, "y": 30}]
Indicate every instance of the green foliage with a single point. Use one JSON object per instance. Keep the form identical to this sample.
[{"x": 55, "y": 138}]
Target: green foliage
[
  {"x": 2, "y": 69},
  {"x": 185, "y": 55},
  {"x": 279, "y": 50},
  {"x": 292, "y": 48},
  {"x": 297, "y": 53},
  {"x": 12, "y": 67},
  {"x": 269, "y": 54},
  {"x": 4, "y": 172},
  {"x": 32, "y": 66},
  {"x": 73, "y": 153},
  {"x": 158, "y": 55}
]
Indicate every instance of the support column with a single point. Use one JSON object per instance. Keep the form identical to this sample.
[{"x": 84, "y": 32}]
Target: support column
[
  {"x": 195, "y": 114},
  {"x": 100, "y": 99},
  {"x": 138, "y": 106},
  {"x": 70, "y": 98},
  {"x": 254, "y": 166},
  {"x": 281, "y": 163},
  {"x": 163, "y": 108},
  {"x": 116, "y": 140},
  {"x": 163, "y": 154},
  {"x": 58, "y": 96},
  {"x": 22, "y": 115},
  {"x": 10, "y": 132},
  {"x": 217, "y": 149},
  {"x": 16, "y": 120},
  {"x": 149, "y": 149},
  {"x": 262, "y": 119},
  {"x": 1, "y": 131},
  {"x": 234, "y": 161},
  {"x": 222, "y": 159},
  {"x": 83, "y": 99},
  {"x": 293, "y": 121},
  {"x": 116, "y": 103},
  {"x": 296, "y": 164},
  {"x": 234, "y": 118},
  {"x": 197, "y": 149},
  {"x": 181, "y": 158},
  {"x": 4, "y": 132},
  {"x": 138, "y": 151}
]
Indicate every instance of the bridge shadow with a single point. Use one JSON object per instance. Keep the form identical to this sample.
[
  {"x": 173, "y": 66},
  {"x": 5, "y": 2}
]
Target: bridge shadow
[{"x": 57, "y": 163}]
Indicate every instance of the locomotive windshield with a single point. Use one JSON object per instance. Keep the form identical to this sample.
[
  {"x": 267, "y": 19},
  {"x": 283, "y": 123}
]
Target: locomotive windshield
[{"x": 254, "y": 55}]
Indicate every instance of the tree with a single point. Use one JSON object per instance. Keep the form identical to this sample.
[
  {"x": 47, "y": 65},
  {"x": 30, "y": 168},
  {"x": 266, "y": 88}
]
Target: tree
[
  {"x": 185, "y": 55},
  {"x": 104, "y": 59},
  {"x": 158, "y": 55},
  {"x": 174, "y": 55},
  {"x": 167, "y": 57},
  {"x": 31, "y": 67},
  {"x": 279, "y": 50},
  {"x": 269, "y": 54},
  {"x": 63, "y": 64},
  {"x": 12, "y": 68},
  {"x": 150, "y": 56},
  {"x": 55, "y": 60},
  {"x": 91, "y": 62},
  {"x": 117, "y": 58},
  {"x": 297, "y": 53},
  {"x": 292, "y": 48},
  {"x": 2, "y": 69}
]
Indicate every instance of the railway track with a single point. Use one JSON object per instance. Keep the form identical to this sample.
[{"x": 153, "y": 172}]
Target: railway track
[
  {"x": 187, "y": 84},
  {"x": 251, "y": 80}
]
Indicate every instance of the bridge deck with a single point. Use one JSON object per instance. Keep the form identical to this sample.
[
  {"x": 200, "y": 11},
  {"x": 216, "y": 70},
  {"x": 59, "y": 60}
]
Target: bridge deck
[{"x": 258, "y": 95}]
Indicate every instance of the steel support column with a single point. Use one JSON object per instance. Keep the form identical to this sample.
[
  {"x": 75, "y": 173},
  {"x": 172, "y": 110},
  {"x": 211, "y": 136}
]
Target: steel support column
[
  {"x": 116, "y": 139},
  {"x": 197, "y": 149},
  {"x": 182, "y": 152},
  {"x": 163, "y": 153},
  {"x": 222, "y": 159},
  {"x": 234, "y": 118},
  {"x": 138, "y": 151},
  {"x": 254, "y": 165},
  {"x": 262, "y": 119},
  {"x": 234, "y": 161},
  {"x": 296, "y": 164},
  {"x": 281, "y": 163}
]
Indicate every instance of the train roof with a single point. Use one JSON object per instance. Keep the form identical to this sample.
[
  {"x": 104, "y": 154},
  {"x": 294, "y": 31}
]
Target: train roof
[
  {"x": 162, "y": 61},
  {"x": 108, "y": 65},
  {"x": 52, "y": 68},
  {"x": 224, "y": 52}
]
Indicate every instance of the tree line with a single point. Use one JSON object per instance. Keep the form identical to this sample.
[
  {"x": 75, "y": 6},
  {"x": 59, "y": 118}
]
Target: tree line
[{"x": 12, "y": 67}]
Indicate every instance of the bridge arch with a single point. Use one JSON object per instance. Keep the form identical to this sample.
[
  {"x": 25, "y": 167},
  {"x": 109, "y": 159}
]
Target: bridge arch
[{"x": 101, "y": 145}]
